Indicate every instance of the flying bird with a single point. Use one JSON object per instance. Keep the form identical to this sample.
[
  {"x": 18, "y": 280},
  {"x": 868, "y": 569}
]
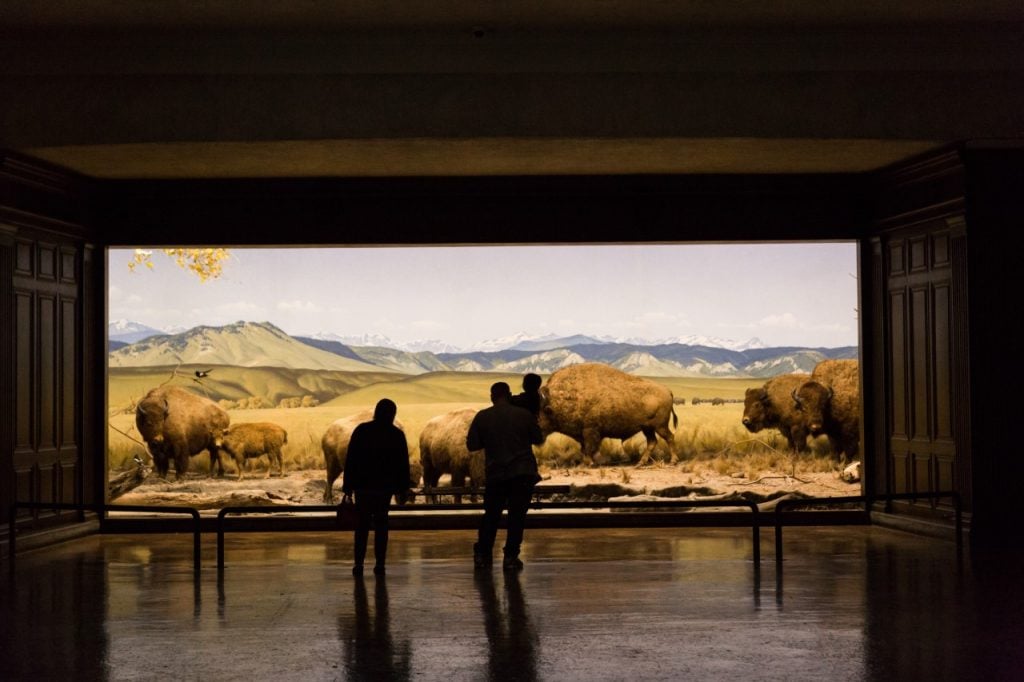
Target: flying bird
[{"x": 203, "y": 372}]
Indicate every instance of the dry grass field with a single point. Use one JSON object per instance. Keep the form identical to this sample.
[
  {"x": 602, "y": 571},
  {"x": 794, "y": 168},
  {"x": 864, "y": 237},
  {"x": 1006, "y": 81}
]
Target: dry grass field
[{"x": 709, "y": 438}]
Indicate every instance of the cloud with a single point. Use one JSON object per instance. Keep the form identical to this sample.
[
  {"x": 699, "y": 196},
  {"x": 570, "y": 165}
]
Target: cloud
[
  {"x": 117, "y": 295},
  {"x": 782, "y": 321},
  {"x": 297, "y": 306}
]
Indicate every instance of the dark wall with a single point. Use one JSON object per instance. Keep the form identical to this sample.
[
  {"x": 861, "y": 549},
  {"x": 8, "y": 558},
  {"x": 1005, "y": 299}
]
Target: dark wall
[
  {"x": 482, "y": 210},
  {"x": 48, "y": 438},
  {"x": 995, "y": 219}
]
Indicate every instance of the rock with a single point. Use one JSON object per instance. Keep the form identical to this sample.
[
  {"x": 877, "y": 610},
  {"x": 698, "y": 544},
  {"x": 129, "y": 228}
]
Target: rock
[{"x": 851, "y": 474}]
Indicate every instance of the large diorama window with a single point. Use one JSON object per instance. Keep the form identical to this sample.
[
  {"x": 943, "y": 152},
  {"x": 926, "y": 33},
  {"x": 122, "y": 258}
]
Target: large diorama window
[{"x": 755, "y": 346}]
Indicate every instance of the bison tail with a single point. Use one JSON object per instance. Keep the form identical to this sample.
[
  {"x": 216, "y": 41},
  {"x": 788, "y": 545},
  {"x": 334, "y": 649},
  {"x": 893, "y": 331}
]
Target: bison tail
[
  {"x": 285, "y": 437},
  {"x": 675, "y": 418}
]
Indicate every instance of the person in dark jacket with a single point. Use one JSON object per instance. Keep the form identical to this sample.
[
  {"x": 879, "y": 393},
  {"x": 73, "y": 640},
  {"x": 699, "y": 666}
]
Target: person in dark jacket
[
  {"x": 506, "y": 434},
  {"x": 530, "y": 397},
  {"x": 377, "y": 467}
]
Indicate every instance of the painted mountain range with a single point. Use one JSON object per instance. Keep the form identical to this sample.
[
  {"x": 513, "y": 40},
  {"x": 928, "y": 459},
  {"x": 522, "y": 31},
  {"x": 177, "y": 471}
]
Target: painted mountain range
[{"x": 254, "y": 344}]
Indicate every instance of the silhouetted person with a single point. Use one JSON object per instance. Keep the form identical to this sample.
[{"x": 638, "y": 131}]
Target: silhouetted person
[
  {"x": 511, "y": 639},
  {"x": 371, "y": 652},
  {"x": 530, "y": 397},
  {"x": 377, "y": 467},
  {"x": 506, "y": 434}
]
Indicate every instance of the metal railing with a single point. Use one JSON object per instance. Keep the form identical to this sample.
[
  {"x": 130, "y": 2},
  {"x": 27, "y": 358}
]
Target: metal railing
[
  {"x": 755, "y": 523},
  {"x": 866, "y": 500},
  {"x": 101, "y": 510}
]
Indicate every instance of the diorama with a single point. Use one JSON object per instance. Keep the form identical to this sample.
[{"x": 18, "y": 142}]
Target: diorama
[{"x": 236, "y": 375}]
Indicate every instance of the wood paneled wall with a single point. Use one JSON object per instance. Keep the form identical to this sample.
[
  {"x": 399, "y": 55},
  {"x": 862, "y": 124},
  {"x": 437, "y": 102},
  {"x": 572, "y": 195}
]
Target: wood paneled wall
[
  {"x": 919, "y": 357},
  {"x": 46, "y": 456},
  {"x": 42, "y": 453}
]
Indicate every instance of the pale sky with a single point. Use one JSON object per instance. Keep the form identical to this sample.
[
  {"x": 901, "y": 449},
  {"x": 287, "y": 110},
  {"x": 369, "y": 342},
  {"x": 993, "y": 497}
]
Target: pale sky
[{"x": 784, "y": 294}]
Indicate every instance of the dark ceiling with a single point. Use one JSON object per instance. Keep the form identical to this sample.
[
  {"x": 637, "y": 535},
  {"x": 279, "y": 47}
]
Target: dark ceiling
[{"x": 117, "y": 89}]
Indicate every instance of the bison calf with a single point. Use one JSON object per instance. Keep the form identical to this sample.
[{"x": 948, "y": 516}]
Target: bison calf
[{"x": 249, "y": 441}]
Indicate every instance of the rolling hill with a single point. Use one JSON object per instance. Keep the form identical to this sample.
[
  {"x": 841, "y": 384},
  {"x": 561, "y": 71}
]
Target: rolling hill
[
  {"x": 251, "y": 344},
  {"x": 242, "y": 344}
]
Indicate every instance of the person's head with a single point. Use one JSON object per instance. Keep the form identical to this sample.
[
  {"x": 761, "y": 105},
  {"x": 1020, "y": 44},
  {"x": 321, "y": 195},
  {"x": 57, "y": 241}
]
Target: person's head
[
  {"x": 385, "y": 411},
  {"x": 500, "y": 392},
  {"x": 531, "y": 383}
]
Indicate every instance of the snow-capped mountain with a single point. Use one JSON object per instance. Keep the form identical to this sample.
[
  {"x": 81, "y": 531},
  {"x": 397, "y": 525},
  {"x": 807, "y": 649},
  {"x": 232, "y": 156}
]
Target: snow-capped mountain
[
  {"x": 250, "y": 344},
  {"x": 127, "y": 331},
  {"x": 507, "y": 342},
  {"x": 382, "y": 341}
]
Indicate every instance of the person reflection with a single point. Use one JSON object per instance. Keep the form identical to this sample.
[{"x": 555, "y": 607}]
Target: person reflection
[
  {"x": 512, "y": 642},
  {"x": 370, "y": 650}
]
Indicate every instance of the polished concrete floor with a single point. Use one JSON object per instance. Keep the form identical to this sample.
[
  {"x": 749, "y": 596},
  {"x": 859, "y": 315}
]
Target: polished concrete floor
[{"x": 853, "y": 603}]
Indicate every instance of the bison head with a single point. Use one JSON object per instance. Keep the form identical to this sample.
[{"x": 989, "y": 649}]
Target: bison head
[
  {"x": 755, "y": 409},
  {"x": 149, "y": 419},
  {"x": 813, "y": 400},
  {"x": 546, "y": 418}
]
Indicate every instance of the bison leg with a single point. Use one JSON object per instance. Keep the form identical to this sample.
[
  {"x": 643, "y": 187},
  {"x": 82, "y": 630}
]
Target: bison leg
[
  {"x": 797, "y": 437},
  {"x": 431, "y": 476},
  {"x": 160, "y": 462},
  {"x": 333, "y": 471},
  {"x": 591, "y": 445},
  {"x": 181, "y": 462},
  {"x": 670, "y": 441},
  {"x": 458, "y": 481},
  {"x": 652, "y": 441}
]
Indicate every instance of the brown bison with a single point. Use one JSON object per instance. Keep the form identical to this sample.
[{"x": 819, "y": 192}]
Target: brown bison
[
  {"x": 772, "y": 406},
  {"x": 830, "y": 403},
  {"x": 592, "y": 401},
  {"x": 443, "y": 451},
  {"x": 249, "y": 441},
  {"x": 176, "y": 424},
  {"x": 335, "y": 447}
]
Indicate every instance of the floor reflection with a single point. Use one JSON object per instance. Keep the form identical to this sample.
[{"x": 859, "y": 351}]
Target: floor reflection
[
  {"x": 54, "y": 621},
  {"x": 371, "y": 650},
  {"x": 512, "y": 642}
]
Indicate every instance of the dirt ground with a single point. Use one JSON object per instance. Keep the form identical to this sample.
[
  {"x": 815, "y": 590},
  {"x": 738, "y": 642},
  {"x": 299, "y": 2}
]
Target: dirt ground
[{"x": 307, "y": 487}]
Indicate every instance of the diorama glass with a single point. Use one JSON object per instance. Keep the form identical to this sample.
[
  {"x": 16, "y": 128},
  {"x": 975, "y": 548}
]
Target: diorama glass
[{"x": 228, "y": 368}]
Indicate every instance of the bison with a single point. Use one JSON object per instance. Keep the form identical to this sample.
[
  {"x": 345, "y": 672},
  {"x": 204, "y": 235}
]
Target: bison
[
  {"x": 830, "y": 403},
  {"x": 176, "y": 424},
  {"x": 335, "y": 448},
  {"x": 443, "y": 451},
  {"x": 592, "y": 401},
  {"x": 248, "y": 441},
  {"x": 772, "y": 406}
]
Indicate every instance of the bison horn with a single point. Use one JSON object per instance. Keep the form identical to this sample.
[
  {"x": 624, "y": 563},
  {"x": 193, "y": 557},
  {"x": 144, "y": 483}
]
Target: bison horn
[
  {"x": 796, "y": 399},
  {"x": 830, "y": 393}
]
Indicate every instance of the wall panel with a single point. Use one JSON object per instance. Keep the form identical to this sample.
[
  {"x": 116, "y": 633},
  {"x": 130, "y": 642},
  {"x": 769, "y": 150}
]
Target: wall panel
[{"x": 920, "y": 345}]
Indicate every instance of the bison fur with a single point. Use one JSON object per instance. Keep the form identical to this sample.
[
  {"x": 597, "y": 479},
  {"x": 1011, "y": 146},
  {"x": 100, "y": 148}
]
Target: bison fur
[
  {"x": 443, "y": 451},
  {"x": 592, "y": 401},
  {"x": 176, "y": 424},
  {"x": 772, "y": 406},
  {"x": 830, "y": 402},
  {"x": 335, "y": 448},
  {"x": 252, "y": 440}
]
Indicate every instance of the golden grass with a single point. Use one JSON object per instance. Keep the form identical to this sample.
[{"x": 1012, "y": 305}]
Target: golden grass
[{"x": 708, "y": 437}]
